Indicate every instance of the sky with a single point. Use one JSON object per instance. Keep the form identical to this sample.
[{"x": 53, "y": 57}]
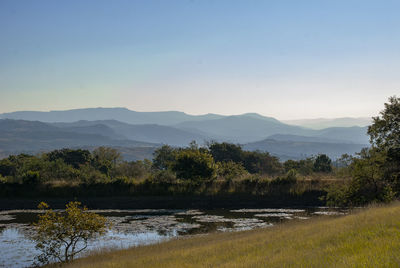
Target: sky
[{"x": 286, "y": 59}]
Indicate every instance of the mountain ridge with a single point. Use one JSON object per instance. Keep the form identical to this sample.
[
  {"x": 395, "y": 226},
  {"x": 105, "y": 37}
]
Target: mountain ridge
[{"x": 156, "y": 128}]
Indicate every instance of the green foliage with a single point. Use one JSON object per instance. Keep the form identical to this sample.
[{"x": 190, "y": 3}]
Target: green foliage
[
  {"x": 71, "y": 157},
  {"x": 368, "y": 183},
  {"x": 91, "y": 175},
  {"x": 7, "y": 168},
  {"x": 322, "y": 163},
  {"x": 262, "y": 162},
  {"x": 230, "y": 170},
  {"x": 303, "y": 166},
  {"x": 164, "y": 157},
  {"x": 60, "y": 236},
  {"x": 31, "y": 177},
  {"x": 289, "y": 178},
  {"x": 376, "y": 172},
  {"x": 337, "y": 195},
  {"x": 385, "y": 131},
  {"x": 344, "y": 161},
  {"x": 2, "y": 179},
  {"x": 136, "y": 169},
  {"x": 164, "y": 176},
  {"x": 226, "y": 152},
  {"x": 106, "y": 159},
  {"x": 253, "y": 162},
  {"x": 194, "y": 164}
]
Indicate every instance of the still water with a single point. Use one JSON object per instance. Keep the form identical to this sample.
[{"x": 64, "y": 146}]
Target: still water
[{"x": 146, "y": 226}]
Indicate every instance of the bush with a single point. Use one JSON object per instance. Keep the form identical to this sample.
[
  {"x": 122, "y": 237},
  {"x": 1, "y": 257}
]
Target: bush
[
  {"x": 322, "y": 164},
  {"x": 163, "y": 157},
  {"x": 61, "y": 236},
  {"x": 289, "y": 178},
  {"x": 303, "y": 166},
  {"x": 164, "y": 176},
  {"x": 31, "y": 177},
  {"x": 193, "y": 165},
  {"x": 230, "y": 170}
]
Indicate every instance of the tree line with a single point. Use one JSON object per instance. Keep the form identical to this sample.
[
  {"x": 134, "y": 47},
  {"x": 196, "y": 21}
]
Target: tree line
[
  {"x": 372, "y": 175},
  {"x": 216, "y": 160}
]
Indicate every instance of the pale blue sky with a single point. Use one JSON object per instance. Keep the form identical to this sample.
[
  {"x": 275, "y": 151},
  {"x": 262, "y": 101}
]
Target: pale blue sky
[{"x": 287, "y": 59}]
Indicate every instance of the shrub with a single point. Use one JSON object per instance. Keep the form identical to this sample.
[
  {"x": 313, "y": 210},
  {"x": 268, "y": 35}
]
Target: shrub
[
  {"x": 61, "y": 236},
  {"x": 322, "y": 164},
  {"x": 194, "y": 164},
  {"x": 164, "y": 176},
  {"x": 31, "y": 177},
  {"x": 230, "y": 170},
  {"x": 289, "y": 178}
]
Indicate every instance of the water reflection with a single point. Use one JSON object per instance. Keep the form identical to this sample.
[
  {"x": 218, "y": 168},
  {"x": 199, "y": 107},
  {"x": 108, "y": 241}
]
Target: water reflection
[{"x": 145, "y": 226}]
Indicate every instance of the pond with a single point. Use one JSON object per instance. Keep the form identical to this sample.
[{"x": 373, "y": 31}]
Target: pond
[{"x": 146, "y": 226}]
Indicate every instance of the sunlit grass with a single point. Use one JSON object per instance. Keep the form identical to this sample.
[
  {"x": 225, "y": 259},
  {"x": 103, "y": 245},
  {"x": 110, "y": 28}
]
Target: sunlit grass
[{"x": 368, "y": 238}]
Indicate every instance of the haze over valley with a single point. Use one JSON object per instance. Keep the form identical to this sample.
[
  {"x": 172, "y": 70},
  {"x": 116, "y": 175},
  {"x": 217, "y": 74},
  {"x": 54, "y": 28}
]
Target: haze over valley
[{"x": 137, "y": 134}]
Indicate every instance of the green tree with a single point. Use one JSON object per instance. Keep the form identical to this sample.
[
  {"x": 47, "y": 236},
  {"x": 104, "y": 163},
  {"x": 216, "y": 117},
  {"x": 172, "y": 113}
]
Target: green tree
[
  {"x": 71, "y": 157},
  {"x": 368, "y": 182},
  {"x": 7, "y": 168},
  {"x": 262, "y": 162},
  {"x": 163, "y": 157},
  {"x": 226, "y": 152},
  {"x": 60, "y": 236},
  {"x": 376, "y": 170},
  {"x": 106, "y": 159},
  {"x": 344, "y": 160},
  {"x": 303, "y": 166},
  {"x": 230, "y": 170},
  {"x": 194, "y": 164},
  {"x": 135, "y": 169},
  {"x": 385, "y": 131},
  {"x": 385, "y": 137},
  {"x": 31, "y": 177},
  {"x": 322, "y": 164}
]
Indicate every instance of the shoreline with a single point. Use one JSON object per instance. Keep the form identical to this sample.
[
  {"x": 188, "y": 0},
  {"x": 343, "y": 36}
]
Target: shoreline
[
  {"x": 321, "y": 242},
  {"x": 234, "y": 201}
]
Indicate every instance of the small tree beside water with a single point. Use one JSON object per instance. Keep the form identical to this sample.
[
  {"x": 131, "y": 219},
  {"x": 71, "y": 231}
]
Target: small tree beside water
[{"x": 60, "y": 236}]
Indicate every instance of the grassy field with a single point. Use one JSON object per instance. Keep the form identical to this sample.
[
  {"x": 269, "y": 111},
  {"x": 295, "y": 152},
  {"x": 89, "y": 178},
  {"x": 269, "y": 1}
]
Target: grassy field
[{"x": 366, "y": 238}]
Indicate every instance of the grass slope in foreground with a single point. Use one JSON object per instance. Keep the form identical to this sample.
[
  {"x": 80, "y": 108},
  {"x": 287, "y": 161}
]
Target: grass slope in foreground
[{"x": 369, "y": 238}]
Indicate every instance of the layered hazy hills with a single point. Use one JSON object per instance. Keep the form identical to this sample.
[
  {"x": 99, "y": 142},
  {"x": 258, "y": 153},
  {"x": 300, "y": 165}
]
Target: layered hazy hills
[
  {"x": 21, "y": 136},
  {"x": 120, "y": 114},
  {"x": 152, "y": 133},
  {"x": 321, "y": 123},
  {"x": 122, "y": 128},
  {"x": 243, "y": 128},
  {"x": 302, "y": 147}
]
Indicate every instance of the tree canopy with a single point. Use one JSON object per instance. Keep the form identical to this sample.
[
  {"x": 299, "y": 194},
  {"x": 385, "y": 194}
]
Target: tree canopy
[{"x": 60, "y": 236}]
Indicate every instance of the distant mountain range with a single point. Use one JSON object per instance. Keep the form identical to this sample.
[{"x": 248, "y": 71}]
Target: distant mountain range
[
  {"x": 21, "y": 136},
  {"x": 321, "y": 123},
  {"x": 289, "y": 149},
  {"x": 120, "y": 114},
  {"x": 129, "y": 130},
  {"x": 152, "y": 133}
]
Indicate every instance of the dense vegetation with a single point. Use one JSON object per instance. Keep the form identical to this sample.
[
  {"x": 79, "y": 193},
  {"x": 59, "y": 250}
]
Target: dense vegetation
[
  {"x": 375, "y": 171},
  {"x": 373, "y": 175},
  {"x": 369, "y": 238},
  {"x": 214, "y": 169}
]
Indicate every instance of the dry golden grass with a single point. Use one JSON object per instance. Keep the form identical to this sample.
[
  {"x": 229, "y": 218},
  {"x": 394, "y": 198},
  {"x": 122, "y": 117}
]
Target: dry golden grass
[{"x": 368, "y": 238}]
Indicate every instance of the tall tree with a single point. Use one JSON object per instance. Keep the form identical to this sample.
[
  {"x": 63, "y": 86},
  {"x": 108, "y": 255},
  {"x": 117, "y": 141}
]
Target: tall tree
[{"x": 385, "y": 130}]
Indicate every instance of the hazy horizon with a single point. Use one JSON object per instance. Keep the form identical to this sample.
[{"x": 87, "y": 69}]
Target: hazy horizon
[
  {"x": 280, "y": 119},
  {"x": 283, "y": 59}
]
